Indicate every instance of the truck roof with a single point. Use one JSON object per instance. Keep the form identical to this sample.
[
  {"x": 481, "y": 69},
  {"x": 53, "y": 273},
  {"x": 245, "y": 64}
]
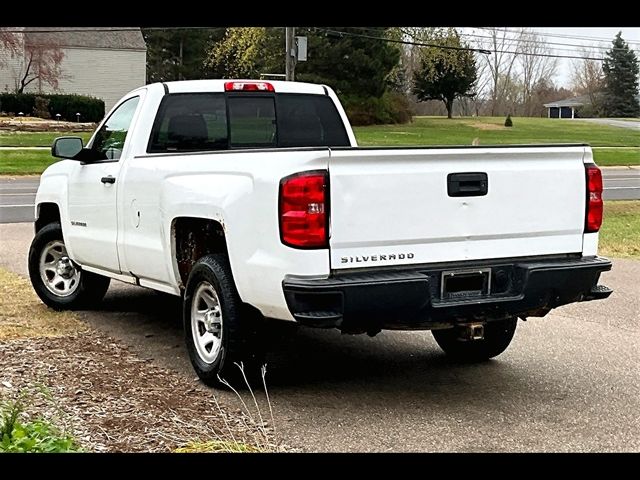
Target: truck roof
[{"x": 194, "y": 86}]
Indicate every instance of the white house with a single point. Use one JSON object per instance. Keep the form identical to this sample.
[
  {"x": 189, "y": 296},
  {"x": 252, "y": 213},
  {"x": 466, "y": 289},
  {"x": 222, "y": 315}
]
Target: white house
[{"x": 103, "y": 62}]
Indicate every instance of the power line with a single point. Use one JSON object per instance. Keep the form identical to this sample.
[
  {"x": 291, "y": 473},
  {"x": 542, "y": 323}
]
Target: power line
[
  {"x": 479, "y": 50},
  {"x": 392, "y": 40},
  {"x": 560, "y": 35}
]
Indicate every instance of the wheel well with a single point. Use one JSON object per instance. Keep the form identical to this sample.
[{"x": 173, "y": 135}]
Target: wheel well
[
  {"x": 193, "y": 239},
  {"x": 47, "y": 213}
]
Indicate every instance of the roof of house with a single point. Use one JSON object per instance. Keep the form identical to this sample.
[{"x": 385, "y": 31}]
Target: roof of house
[
  {"x": 113, "y": 38},
  {"x": 570, "y": 102}
]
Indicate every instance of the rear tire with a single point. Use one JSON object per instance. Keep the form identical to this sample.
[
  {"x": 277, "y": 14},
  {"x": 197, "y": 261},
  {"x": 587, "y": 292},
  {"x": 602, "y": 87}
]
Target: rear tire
[
  {"x": 497, "y": 337},
  {"x": 59, "y": 282},
  {"x": 220, "y": 331}
]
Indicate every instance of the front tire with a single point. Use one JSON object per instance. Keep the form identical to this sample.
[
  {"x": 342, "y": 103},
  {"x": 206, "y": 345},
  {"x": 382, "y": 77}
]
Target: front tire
[
  {"x": 497, "y": 337},
  {"x": 59, "y": 281},
  {"x": 220, "y": 331}
]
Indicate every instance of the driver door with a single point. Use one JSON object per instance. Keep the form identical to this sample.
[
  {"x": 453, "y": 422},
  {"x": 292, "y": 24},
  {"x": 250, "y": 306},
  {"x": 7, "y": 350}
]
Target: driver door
[{"x": 92, "y": 190}]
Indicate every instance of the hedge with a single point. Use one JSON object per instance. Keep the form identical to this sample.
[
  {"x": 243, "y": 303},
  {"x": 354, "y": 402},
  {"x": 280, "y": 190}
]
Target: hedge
[
  {"x": 391, "y": 108},
  {"x": 91, "y": 109}
]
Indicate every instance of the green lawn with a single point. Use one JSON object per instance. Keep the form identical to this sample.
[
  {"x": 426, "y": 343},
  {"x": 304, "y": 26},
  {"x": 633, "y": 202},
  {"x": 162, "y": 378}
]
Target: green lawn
[
  {"x": 36, "y": 139},
  {"x": 423, "y": 131},
  {"x": 491, "y": 130},
  {"x": 620, "y": 233},
  {"x": 24, "y": 162},
  {"x": 607, "y": 157}
]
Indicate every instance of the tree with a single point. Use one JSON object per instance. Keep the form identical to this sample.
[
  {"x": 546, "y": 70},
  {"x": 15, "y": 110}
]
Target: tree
[
  {"x": 504, "y": 51},
  {"x": 178, "y": 54},
  {"x": 445, "y": 74},
  {"x": 355, "y": 66},
  {"x": 534, "y": 66},
  {"x": 587, "y": 78},
  {"x": 9, "y": 44},
  {"x": 42, "y": 61},
  {"x": 621, "y": 71},
  {"x": 246, "y": 52}
]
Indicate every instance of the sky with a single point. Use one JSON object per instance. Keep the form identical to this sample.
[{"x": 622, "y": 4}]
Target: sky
[{"x": 573, "y": 38}]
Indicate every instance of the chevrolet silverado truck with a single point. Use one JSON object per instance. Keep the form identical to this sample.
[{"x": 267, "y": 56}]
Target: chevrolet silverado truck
[{"x": 251, "y": 200}]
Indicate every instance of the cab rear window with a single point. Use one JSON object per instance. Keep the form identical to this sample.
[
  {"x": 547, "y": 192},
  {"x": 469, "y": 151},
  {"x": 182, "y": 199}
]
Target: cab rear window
[{"x": 188, "y": 122}]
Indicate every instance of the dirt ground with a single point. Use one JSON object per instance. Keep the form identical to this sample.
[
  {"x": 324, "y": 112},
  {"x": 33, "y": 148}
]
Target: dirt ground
[{"x": 107, "y": 397}]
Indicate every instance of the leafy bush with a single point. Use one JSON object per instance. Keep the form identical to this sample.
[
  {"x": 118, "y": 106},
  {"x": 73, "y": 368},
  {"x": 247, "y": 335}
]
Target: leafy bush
[
  {"x": 91, "y": 109},
  {"x": 508, "y": 122},
  {"x": 41, "y": 108},
  {"x": 392, "y": 107},
  {"x": 36, "y": 436}
]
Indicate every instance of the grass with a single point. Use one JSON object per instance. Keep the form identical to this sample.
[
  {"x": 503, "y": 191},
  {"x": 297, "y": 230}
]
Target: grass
[
  {"x": 36, "y": 139},
  {"x": 218, "y": 446},
  {"x": 23, "y": 315},
  {"x": 491, "y": 130},
  {"x": 620, "y": 232},
  {"x": 609, "y": 157},
  {"x": 25, "y": 162},
  {"x": 31, "y": 436},
  {"x": 423, "y": 131}
]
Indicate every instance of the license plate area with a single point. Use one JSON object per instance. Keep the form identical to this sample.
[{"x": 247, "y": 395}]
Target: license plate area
[{"x": 461, "y": 284}]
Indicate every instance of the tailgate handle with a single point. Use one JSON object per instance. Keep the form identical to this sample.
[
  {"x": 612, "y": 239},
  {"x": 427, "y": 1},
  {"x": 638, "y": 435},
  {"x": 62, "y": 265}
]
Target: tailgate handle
[{"x": 467, "y": 184}]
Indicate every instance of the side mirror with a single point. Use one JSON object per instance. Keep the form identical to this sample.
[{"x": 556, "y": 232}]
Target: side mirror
[{"x": 66, "y": 147}]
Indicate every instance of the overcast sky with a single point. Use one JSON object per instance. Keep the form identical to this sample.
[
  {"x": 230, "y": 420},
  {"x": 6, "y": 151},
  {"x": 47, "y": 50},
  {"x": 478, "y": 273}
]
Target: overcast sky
[{"x": 573, "y": 38}]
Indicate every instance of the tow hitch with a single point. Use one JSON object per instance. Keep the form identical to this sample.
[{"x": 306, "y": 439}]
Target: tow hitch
[{"x": 470, "y": 332}]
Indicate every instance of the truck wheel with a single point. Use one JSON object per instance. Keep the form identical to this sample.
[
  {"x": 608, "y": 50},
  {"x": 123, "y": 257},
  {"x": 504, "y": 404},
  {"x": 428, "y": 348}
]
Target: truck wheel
[
  {"x": 220, "y": 332},
  {"x": 59, "y": 281},
  {"x": 497, "y": 337}
]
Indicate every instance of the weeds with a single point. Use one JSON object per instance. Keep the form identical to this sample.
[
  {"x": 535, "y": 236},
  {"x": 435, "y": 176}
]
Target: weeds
[
  {"x": 38, "y": 436},
  {"x": 266, "y": 440}
]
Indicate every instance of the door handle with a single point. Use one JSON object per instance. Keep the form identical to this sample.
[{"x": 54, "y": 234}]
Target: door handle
[
  {"x": 110, "y": 179},
  {"x": 467, "y": 184}
]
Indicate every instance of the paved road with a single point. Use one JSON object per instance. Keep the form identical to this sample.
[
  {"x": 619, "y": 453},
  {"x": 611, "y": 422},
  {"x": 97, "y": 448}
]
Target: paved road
[
  {"x": 634, "y": 125},
  {"x": 569, "y": 382},
  {"x": 17, "y": 194}
]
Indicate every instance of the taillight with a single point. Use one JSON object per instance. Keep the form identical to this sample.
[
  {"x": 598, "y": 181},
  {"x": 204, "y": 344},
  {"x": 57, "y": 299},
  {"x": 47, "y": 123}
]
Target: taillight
[
  {"x": 594, "y": 199},
  {"x": 304, "y": 202},
  {"x": 248, "y": 87}
]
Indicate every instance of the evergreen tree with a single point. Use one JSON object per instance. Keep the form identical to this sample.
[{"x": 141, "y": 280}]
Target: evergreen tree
[
  {"x": 621, "y": 71},
  {"x": 179, "y": 54}
]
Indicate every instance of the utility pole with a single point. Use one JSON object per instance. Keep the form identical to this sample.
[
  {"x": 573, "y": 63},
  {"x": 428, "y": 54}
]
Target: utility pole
[{"x": 290, "y": 53}]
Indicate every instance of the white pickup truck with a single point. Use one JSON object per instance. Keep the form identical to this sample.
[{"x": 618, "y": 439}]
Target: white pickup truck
[{"x": 252, "y": 200}]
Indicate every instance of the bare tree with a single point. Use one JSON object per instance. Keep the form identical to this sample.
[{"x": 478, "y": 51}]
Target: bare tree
[
  {"x": 42, "y": 62},
  {"x": 534, "y": 67},
  {"x": 587, "y": 77},
  {"x": 500, "y": 63},
  {"x": 9, "y": 44}
]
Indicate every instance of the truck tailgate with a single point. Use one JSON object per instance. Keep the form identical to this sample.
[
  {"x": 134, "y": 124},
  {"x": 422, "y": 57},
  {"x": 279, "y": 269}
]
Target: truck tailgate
[{"x": 400, "y": 206}]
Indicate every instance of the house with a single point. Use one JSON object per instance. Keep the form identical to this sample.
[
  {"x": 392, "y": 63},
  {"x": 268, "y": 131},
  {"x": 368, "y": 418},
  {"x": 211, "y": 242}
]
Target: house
[
  {"x": 103, "y": 62},
  {"x": 566, "y": 108}
]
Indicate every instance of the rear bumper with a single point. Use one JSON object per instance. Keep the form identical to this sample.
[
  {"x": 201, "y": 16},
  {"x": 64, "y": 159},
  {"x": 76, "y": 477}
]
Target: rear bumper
[{"x": 410, "y": 298}]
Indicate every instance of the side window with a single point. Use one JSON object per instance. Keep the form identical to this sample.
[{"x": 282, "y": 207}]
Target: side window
[
  {"x": 109, "y": 141},
  {"x": 190, "y": 122},
  {"x": 252, "y": 121}
]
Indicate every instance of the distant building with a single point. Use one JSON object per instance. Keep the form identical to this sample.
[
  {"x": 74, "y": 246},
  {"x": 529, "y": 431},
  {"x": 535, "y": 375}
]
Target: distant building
[
  {"x": 101, "y": 61},
  {"x": 566, "y": 108}
]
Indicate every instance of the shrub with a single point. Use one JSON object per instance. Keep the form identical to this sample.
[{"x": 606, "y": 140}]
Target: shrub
[
  {"x": 392, "y": 107},
  {"x": 41, "y": 107},
  {"x": 508, "y": 122},
  {"x": 91, "y": 109}
]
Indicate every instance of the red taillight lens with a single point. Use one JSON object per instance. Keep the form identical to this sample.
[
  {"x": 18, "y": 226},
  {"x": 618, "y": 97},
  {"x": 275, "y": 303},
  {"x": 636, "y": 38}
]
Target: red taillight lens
[
  {"x": 303, "y": 210},
  {"x": 248, "y": 87},
  {"x": 594, "y": 199}
]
